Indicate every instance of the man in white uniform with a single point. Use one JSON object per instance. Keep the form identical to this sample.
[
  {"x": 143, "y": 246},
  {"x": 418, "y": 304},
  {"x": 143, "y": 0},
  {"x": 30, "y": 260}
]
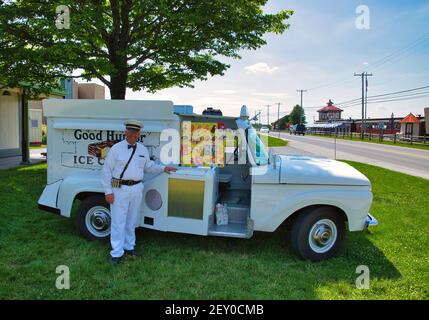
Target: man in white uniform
[{"x": 122, "y": 173}]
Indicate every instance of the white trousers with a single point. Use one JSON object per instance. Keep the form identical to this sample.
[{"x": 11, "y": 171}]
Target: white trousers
[{"x": 125, "y": 211}]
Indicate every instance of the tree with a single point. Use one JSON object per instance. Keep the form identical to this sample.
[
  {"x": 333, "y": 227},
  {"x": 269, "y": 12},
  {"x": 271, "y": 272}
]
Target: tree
[
  {"x": 297, "y": 115},
  {"x": 284, "y": 121},
  {"x": 137, "y": 44}
]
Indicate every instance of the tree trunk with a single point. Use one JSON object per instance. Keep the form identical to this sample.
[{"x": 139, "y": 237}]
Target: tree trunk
[{"x": 118, "y": 86}]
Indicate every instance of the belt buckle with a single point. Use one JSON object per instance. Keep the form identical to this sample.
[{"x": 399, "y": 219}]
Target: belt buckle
[{"x": 116, "y": 183}]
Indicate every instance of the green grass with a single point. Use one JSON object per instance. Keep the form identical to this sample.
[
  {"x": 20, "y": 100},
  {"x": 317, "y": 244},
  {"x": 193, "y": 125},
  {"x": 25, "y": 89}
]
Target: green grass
[
  {"x": 33, "y": 243},
  {"x": 38, "y": 147},
  {"x": 273, "y": 141},
  {"x": 375, "y": 140}
]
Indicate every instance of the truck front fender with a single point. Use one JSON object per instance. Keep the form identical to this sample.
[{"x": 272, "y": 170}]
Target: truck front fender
[
  {"x": 279, "y": 202},
  {"x": 75, "y": 184}
]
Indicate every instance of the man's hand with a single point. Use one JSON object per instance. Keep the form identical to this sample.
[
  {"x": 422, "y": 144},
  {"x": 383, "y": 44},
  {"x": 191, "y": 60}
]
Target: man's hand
[
  {"x": 110, "y": 198},
  {"x": 170, "y": 169}
]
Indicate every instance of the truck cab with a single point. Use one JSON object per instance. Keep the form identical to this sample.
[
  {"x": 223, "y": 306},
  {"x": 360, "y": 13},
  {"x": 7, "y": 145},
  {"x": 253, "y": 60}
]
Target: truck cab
[{"x": 320, "y": 198}]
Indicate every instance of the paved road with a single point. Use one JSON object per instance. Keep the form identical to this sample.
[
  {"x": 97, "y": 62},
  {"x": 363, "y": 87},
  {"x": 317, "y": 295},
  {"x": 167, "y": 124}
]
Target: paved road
[
  {"x": 407, "y": 160},
  {"x": 12, "y": 162}
]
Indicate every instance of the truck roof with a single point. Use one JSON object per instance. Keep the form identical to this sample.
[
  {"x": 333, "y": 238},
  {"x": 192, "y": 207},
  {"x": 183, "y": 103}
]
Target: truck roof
[
  {"x": 202, "y": 117},
  {"x": 109, "y": 109}
]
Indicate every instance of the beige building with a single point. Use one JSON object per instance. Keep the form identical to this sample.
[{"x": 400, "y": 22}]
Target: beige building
[
  {"x": 90, "y": 91},
  {"x": 74, "y": 90},
  {"x": 412, "y": 125},
  {"x": 11, "y": 113},
  {"x": 10, "y": 128}
]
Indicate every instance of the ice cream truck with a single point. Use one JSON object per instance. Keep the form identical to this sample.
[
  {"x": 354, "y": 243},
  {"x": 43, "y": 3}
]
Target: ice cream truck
[{"x": 319, "y": 199}]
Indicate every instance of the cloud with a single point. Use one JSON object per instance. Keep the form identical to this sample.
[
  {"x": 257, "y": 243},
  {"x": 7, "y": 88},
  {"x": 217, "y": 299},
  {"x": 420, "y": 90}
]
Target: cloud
[
  {"x": 270, "y": 94},
  {"x": 260, "y": 67},
  {"x": 225, "y": 91}
]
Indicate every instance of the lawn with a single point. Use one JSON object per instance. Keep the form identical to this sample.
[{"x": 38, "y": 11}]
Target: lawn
[
  {"x": 385, "y": 141},
  {"x": 273, "y": 141},
  {"x": 38, "y": 146},
  {"x": 33, "y": 243}
]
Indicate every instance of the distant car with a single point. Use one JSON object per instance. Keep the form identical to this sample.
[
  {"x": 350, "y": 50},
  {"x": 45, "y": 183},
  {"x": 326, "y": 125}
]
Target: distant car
[
  {"x": 264, "y": 130},
  {"x": 297, "y": 129}
]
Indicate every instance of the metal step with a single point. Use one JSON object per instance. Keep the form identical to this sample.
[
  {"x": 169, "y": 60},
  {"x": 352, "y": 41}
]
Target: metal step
[{"x": 234, "y": 230}]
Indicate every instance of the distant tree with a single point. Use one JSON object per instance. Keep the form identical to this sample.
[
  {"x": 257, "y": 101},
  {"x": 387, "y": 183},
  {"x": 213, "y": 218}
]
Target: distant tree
[
  {"x": 297, "y": 115},
  {"x": 137, "y": 44},
  {"x": 284, "y": 121}
]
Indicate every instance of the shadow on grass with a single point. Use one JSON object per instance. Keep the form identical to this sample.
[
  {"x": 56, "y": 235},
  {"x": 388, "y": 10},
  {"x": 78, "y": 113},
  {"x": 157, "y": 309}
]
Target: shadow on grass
[{"x": 357, "y": 250}]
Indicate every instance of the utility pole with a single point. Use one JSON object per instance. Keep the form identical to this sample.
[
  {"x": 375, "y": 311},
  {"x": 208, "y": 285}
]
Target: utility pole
[
  {"x": 25, "y": 152},
  {"x": 302, "y": 108},
  {"x": 278, "y": 117},
  {"x": 366, "y": 94},
  {"x": 268, "y": 114},
  {"x": 364, "y": 76}
]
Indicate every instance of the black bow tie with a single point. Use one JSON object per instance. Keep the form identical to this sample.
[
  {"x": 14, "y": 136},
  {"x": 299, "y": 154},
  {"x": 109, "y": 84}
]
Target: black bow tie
[{"x": 132, "y": 147}]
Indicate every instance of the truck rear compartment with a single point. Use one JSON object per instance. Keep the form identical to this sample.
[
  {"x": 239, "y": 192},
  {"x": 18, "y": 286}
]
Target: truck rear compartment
[{"x": 239, "y": 223}]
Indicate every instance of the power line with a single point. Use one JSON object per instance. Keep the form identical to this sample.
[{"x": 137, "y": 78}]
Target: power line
[
  {"x": 388, "y": 100},
  {"x": 402, "y": 91},
  {"x": 397, "y": 99},
  {"x": 400, "y": 97},
  {"x": 399, "y": 53},
  {"x": 396, "y": 94},
  {"x": 409, "y": 49}
]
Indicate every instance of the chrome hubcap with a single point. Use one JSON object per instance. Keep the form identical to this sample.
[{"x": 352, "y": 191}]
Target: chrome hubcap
[
  {"x": 98, "y": 221},
  {"x": 322, "y": 236}
]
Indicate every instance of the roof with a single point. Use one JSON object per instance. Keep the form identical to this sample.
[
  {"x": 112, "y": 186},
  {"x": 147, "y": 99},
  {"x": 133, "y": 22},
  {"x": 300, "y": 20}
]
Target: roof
[
  {"x": 282, "y": 118},
  {"x": 330, "y": 107},
  {"x": 410, "y": 119},
  {"x": 329, "y": 125}
]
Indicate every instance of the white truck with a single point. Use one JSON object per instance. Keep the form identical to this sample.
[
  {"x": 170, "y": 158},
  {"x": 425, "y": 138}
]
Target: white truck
[{"x": 319, "y": 198}]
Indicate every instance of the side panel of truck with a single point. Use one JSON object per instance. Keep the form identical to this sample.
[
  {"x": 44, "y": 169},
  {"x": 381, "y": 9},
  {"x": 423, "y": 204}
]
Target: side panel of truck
[{"x": 272, "y": 204}]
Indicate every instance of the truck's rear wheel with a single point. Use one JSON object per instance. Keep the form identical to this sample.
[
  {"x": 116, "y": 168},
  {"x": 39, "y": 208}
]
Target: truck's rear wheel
[
  {"x": 93, "y": 218},
  {"x": 318, "y": 233}
]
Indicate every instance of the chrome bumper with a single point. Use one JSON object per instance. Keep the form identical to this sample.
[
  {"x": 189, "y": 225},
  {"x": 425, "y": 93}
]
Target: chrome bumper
[{"x": 370, "y": 221}]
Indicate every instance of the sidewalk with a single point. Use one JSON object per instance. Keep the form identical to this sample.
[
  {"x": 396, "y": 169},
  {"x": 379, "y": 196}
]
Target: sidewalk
[{"x": 12, "y": 162}]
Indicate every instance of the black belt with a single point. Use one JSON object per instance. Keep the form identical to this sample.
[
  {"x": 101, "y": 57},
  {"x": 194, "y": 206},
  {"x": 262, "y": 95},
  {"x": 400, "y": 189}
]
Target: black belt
[{"x": 129, "y": 182}]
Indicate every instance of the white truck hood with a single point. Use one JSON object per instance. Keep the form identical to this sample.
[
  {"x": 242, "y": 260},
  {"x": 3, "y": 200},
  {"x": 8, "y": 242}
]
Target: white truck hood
[{"x": 317, "y": 171}]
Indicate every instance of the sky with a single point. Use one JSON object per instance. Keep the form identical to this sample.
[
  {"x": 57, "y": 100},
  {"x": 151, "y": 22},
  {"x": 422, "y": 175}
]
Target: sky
[{"x": 320, "y": 52}]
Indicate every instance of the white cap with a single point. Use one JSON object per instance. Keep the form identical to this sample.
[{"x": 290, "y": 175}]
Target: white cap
[{"x": 133, "y": 125}]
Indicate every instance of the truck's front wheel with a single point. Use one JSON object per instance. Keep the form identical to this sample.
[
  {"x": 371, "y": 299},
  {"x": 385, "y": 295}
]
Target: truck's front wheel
[
  {"x": 93, "y": 218},
  {"x": 318, "y": 233}
]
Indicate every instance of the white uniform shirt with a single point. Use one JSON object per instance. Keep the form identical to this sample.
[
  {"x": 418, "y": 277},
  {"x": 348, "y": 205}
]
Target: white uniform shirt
[{"x": 117, "y": 158}]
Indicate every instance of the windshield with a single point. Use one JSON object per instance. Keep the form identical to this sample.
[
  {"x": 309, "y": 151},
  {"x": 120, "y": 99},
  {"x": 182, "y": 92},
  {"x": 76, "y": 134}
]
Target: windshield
[{"x": 257, "y": 147}]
